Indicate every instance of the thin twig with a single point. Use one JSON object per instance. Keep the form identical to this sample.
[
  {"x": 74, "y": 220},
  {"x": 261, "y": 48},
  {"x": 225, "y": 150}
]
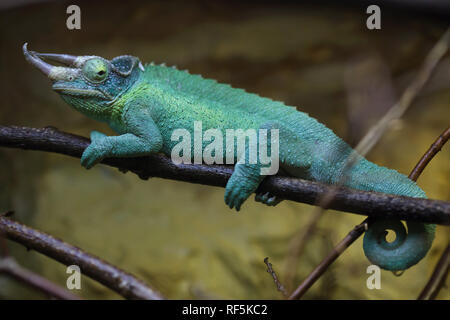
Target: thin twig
[
  {"x": 437, "y": 279},
  {"x": 333, "y": 255},
  {"x": 270, "y": 270},
  {"x": 112, "y": 277},
  {"x": 353, "y": 235},
  {"x": 373, "y": 204},
  {"x": 435, "y": 148},
  {"x": 10, "y": 267}
]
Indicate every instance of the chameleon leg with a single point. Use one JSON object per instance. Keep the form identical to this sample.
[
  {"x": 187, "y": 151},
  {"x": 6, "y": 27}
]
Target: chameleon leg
[
  {"x": 142, "y": 138},
  {"x": 243, "y": 182},
  {"x": 294, "y": 160},
  {"x": 247, "y": 177},
  {"x": 96, "y": 135},
  {"x": 126, "y": 145}
]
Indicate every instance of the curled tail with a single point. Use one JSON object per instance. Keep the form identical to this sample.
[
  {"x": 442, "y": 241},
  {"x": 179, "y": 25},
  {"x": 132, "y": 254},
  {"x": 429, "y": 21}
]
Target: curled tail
[
  {"x": 405, "y": 251},
  {"x": 409, "y": 247}
]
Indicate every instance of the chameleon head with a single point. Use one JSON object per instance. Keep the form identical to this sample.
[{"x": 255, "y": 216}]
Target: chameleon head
[{"x": 90, "y": 84}]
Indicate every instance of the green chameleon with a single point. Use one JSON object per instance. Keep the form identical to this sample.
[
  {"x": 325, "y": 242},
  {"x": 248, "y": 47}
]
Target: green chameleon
[{"x": 145, "y": 104}]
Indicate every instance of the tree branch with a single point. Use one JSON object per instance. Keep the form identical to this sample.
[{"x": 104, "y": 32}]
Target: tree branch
[
  {"x": 431, "y": 152},
  {"x": 10, "y": 267},
  {"x": 351, "y": 237},
  {"x": 377, "y": 205},
  {"x": 112, "y": 277}
]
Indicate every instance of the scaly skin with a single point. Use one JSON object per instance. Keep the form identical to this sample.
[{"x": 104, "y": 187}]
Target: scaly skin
[{"x": 144, "y": 105}]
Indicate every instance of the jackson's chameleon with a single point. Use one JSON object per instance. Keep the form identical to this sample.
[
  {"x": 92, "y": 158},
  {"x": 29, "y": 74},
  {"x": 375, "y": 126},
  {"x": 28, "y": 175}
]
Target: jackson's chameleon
[{"x": 144, "y": 104}]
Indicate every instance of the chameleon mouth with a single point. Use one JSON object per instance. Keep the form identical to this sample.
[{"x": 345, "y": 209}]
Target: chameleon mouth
[{"x": 79, "y": 92}]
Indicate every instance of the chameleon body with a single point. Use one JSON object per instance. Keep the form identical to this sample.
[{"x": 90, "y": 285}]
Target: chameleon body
[{"x": 144, "y": 105}]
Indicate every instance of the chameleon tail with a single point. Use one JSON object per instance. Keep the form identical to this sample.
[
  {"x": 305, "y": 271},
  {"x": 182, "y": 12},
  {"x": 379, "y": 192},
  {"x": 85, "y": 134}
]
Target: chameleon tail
[
  {"x": 405, "y": 251},
  {"x": 410, "y": 246}
]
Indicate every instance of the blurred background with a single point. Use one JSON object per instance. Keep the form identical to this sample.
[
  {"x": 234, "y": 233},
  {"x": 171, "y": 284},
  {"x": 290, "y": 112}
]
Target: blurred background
[{"x": 180, "y": 237}]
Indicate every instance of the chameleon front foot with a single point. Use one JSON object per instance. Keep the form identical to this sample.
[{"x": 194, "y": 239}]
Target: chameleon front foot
[
  {"x": 267, "y": 198},
  {"x": 236, "y": 192},
  {"x": 96, "y": 151},
  {"x": 242, "y": 183}
]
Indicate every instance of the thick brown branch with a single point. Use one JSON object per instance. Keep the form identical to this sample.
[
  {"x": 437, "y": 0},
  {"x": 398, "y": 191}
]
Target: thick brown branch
[
  {"x": 112, "y": 277},
  {"x": 372, "y": 204}
]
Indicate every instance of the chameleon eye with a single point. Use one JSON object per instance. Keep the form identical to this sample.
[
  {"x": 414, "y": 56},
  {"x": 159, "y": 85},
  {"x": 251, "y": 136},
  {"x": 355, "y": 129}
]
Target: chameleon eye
[{"x": 95, "y": 70}]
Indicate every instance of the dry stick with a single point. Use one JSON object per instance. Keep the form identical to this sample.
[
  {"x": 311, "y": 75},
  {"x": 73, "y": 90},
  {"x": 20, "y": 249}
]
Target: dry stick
[
  {"x": 438, "y": 277},
  {"x": 435, "y": 148},
  {"x": 270, "y": 270},
  {"x": 112, "y": 277},
  {"x": 378, "y": 205},
  {"x": 373, "y": 136},
  {"x": 353, "y": 235},
  {"x": 11, "y": 268}
]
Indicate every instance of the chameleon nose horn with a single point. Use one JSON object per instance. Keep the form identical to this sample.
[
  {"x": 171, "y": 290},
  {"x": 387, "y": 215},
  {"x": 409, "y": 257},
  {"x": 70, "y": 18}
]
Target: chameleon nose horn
[{"x": 35, "y": 61}]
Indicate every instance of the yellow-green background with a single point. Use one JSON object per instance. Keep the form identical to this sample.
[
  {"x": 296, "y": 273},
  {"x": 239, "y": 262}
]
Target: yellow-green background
[{"x": 180, "y": 237}]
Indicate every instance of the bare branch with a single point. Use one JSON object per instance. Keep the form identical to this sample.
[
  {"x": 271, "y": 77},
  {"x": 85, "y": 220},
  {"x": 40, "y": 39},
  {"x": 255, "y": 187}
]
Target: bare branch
[
  {"x": 10, "y": 267},
  {"x": 112, "y": 277},
  {"x": 426, "y": 158},
  {"x": 332, "y": 256},
  {"x": 372, "y": 204}
]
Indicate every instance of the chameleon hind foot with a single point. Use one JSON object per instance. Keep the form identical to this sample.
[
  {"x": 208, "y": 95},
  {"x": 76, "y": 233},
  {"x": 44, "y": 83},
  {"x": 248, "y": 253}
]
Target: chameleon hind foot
[{"x": 267, "y": 199}]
